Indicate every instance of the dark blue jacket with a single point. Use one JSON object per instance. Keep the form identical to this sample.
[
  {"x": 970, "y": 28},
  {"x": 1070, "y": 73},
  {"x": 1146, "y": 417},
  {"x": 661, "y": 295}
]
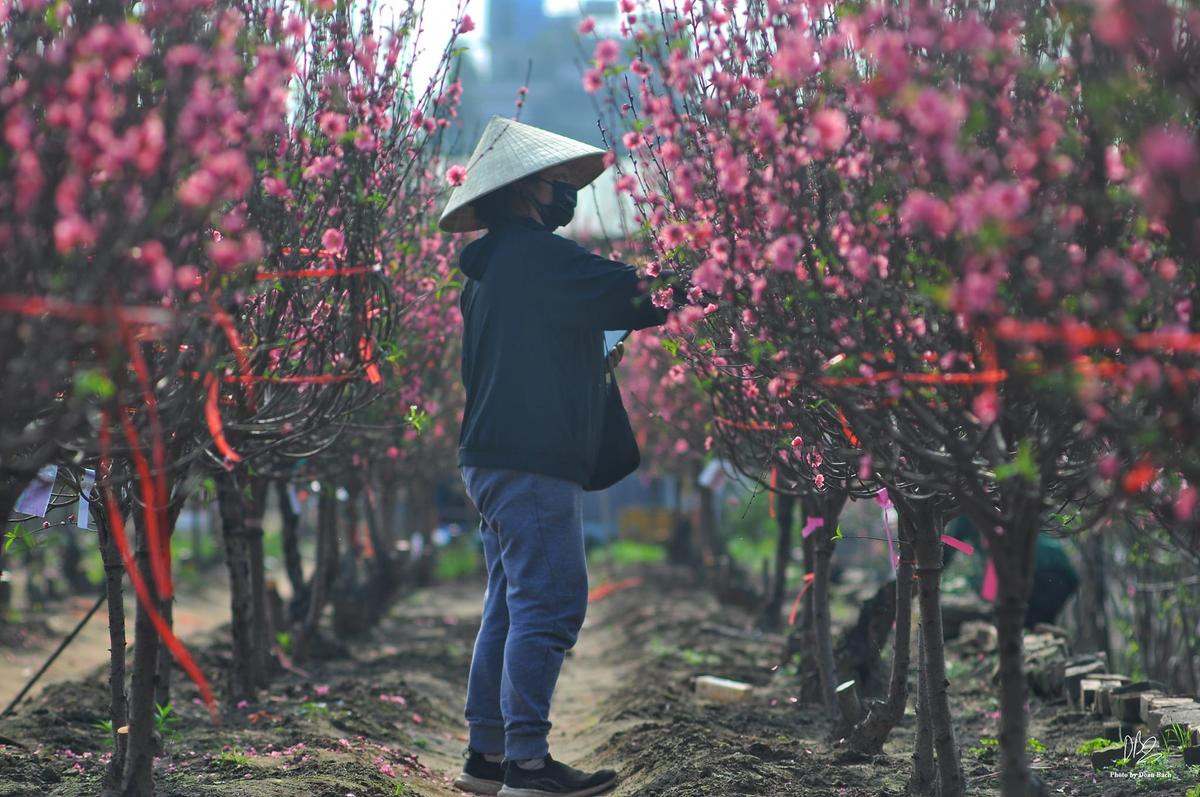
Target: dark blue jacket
[{"x": 535, "y": 307}]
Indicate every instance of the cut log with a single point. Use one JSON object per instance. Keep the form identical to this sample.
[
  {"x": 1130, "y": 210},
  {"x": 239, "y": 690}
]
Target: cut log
[
  {"x": 1075, "y": 671},
  {"x": 1116, "y": 731},
  {"x": 1103, "y": 759},
  {"x": 723, "y": 690},
  {"x": 850, "y": 703},
  {"x": 1090, "y": 689},
  {"x": 1186, "y": 718},
  {"x": 1150, "y": 702},
  {"x": 1126, "y": 701},
  {"x": 1104, "y": 696},
  {"x": 1046, "y": 658}
]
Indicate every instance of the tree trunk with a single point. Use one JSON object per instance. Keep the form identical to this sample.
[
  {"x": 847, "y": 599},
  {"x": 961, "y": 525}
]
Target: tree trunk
[
  {"x": 291, "y": 543},
  {"x": 710, "y": 542},
  {"x": 785, "y": 511},
  {"x": 389, "y": 490},
  {"x": 143, "y": 742},
  {"x": 326, "y": 569},
  {"x": 237, "y": 560},
  {"x": 384, "y": 571},
  {"x": 1092, "y": 603},
  {"x": 830, "y": 507},
  {"x": 1012, "y": 553},
  {"x": 921, "y": 782},
  {"x": 114, "y": 573},
  {"x": 260, "y": 639},
  {"x": 11, "y": 486},
  {"x": 870, "y": 734},
  {"x": 162, "y": 684},
  {"x": 928, "y": 548}
]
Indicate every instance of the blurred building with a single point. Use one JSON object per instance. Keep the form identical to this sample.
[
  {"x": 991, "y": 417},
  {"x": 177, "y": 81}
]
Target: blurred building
[{"x": 528, "y": 47}]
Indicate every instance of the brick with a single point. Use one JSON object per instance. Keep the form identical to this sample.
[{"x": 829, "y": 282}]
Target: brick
[{"x": 722, "y": 690}]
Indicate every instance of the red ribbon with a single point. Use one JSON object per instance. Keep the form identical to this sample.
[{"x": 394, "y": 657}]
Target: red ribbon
[
  {"x": 808, "y": 580},
  {"x": 117, "y": 524},
  {"x": 212, "y": 414}
]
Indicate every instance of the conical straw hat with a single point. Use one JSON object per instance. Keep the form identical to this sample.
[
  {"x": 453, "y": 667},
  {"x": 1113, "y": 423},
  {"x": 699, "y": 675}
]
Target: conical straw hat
[{"x": 509, "y": 151}]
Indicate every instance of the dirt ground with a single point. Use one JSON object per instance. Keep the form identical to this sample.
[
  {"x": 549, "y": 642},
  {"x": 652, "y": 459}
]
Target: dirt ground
[{"x": 383, "y": 715}]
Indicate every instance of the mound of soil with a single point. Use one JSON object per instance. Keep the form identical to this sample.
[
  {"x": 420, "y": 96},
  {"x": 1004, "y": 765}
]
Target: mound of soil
[{"x": 385, "y": 717}]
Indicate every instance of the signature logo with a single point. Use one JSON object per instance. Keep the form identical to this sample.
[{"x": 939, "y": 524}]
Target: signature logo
[{"x": 1137, "y": 748}]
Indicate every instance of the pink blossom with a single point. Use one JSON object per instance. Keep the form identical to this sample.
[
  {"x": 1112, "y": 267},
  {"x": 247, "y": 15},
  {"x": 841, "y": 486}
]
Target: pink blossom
[
  {"x": 456, "y": 175},
  {"x": 333, "y": 240},
  {"x": 332, "y": 124},
  {"x": 673, "y": 236},
  {"x": 72, "y": 232},
  {"x": 593, "y": 80},
  {"x": 198, "y": 190},
  {"x": 877, "y": 129},
  {"x": 934, "y": 115},
  {"x": 1005, "y": 201},
  {"x": 921, "y": 209},
  {"x": 322, "y": 166},
  {"x": 606, "y": 53},
  {"x": 1185, "y": 504},
  {"x": 986, "y": 406},
  {"x": 977, "y": 292},
  {"x": 466, "y": 25},
  {"x": 829, "y": 129},
  {"x": 275, "y": 187},
  {"x": 1114, "y": 165},
  {"x": 1168, "y": 150},
  {"x": 795, "y": 59},
  {"x": 229, "y": 253},
  {"x": 587, "y": 25}
]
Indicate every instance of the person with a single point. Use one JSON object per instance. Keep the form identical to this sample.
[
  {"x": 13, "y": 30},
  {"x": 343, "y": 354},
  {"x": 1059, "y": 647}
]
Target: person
[
  {"x": 1054, "y": 577},
  {"x": 535, "y": 306}
]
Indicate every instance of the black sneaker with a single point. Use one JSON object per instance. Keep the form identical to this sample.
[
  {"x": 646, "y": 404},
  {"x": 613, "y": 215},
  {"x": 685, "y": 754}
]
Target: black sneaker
[
  {"x": 555, "y": 779},
  {"x": 480, "y": 775}
]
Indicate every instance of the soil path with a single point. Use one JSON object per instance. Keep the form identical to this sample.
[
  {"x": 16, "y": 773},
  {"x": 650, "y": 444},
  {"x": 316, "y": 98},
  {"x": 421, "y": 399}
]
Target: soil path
[
  {"x": 382, "y": 715},
  {"x": 594, "y": 672},
  {"x": 200, "y": 607}
]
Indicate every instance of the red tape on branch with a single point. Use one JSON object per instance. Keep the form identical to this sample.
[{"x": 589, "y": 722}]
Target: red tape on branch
[
  {"x": 1085, "y": 335},
  {"x": 239, "y": 351},
  {"x": 154, "y": 492},
  {"x": 145, "y": 315},
  {"x": 367, "y": 352},
  {"x": 808, "y": 580},
  {"x": 117, "y": 528},
  {"x": 212, "y": 414}
]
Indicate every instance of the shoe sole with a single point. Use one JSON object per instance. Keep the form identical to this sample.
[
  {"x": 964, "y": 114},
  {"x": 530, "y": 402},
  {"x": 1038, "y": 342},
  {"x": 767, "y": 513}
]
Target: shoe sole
[
  {"x": 509, "y": 791},
  {"x": 477, "y": 785}
]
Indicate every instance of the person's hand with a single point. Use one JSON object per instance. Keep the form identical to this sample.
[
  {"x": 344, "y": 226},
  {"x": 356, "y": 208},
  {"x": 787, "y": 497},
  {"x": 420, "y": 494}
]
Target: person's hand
[{"x": 615, "y": 354}]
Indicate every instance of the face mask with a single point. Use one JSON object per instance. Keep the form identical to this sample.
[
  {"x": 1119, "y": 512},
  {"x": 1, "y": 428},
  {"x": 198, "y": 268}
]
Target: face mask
[{"x": 562, "y": 204}]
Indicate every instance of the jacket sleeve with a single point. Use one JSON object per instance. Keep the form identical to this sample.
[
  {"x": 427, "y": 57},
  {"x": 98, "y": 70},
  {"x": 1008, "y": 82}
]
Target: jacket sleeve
[{"x": 590, "y": 291}]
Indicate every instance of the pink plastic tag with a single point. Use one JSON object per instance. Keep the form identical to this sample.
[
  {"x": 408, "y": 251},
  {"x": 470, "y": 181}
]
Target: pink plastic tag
[
  {"x": 990, "y": 584},
  {"x": 953, "y": 542}
]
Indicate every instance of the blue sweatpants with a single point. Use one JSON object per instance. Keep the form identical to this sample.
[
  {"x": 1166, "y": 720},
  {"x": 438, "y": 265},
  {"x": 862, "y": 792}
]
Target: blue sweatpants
[{"x": 536, "y": 599}]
